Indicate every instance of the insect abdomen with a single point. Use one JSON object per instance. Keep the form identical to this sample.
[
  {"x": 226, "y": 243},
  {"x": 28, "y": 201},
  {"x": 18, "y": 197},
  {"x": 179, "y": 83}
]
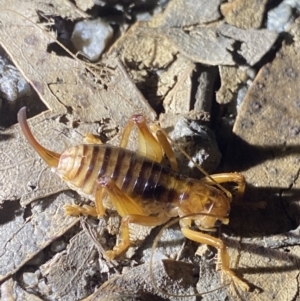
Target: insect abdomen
[{"x": 81, "y": 166}]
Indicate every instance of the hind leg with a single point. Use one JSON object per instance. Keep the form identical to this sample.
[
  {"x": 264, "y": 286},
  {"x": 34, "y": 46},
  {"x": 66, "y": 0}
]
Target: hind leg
[
  {"x": 92, "y": 139},
  {"x": 152, "y": 143}
]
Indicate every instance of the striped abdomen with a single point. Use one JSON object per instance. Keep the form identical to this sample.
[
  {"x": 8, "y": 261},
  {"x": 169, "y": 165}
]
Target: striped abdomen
[{"x": 81, "y": 166}]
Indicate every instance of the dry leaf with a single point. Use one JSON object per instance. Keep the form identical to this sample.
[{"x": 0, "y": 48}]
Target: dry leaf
[
  {"x": 202, "y": 45},
  {"x": 181, "y": 13},
  {"x": 108, "y": 92},
  {"x": 85, "y": 4},
  {"x": 68, "y": 270},
  {"x": 244, "y": 14},
  {"x": 176, "y": 277},
  {"x": 177, "y": 100},
  {"x": 267, "y": 151},
  {"x": 231, "y": 78},
  {"x": 148, "y": 51},
  {"x": 255, "y": 43},
  {"x": 23, "y": 237},
  {"x": 144, "y": 47},
  {"x": 269, "y": 119}
]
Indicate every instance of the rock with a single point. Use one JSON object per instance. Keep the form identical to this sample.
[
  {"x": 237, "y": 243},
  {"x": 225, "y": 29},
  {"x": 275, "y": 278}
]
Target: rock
[{"x": 91, "y": 37}]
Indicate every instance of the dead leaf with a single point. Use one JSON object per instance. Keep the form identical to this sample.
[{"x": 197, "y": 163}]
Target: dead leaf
[
  {"x": 244, "y": 14},
  {"x": 144, "y": 47},
  {"x": 263, "y": 111},
  {"x": 18, "y": 158},
  {"x": 26, "y": 45},
  {"x": 147, "y": 49},
  {"x": 180, "y": 13},
  {"x": 135, "y": 284},
  {"x": 177, "y": 99},
  {"x": 255, "y": 43},
  {"x": 23, "y": 237},
  {"x": 231, "y": 79},
  {"x": 68, "y": 270},
  {"x": 202, "y": 44},
  {"x": 272, "y": 272},
  {"x": 85, "y": 4},
  {"x": 59, "y": 79},
  {"x": 267, "y": 151}
]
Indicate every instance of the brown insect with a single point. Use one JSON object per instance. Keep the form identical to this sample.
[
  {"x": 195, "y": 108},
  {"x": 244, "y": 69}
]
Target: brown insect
[{"x": 142, "y": 190}]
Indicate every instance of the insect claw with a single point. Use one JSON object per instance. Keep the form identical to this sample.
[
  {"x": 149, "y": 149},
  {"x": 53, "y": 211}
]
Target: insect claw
[
  {"x": 138, "y": 118},
  {"x": 73, "y": 210},
  {"x": 110, "y": 255}
]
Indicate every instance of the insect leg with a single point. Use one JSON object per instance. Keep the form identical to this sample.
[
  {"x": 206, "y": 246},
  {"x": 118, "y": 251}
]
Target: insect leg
[
  {"x": 76, "y": 210},
  {"x": 126, "y": 133},
  {"x": 148, "y": 146},
  {"x": 91, "y": 139},
  {"x": 228, "y": 177},
  {"x": 96, "y": 211},
  {"x": 152, "y": 142},
  {"x": 165, "y": 144},
  {"x": 224, "y": 261},
  {"x": 130, "y": 211},
  {"x": 125, "y": 233}
]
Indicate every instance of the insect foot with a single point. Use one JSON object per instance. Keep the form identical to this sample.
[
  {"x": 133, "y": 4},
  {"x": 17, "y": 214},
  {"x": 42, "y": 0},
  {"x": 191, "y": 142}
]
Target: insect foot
[
  {"x": 223, "y": 265},
  {"x": 110, "y": 255}
]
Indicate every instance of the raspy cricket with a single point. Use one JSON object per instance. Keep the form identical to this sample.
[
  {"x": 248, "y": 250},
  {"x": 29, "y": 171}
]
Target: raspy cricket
[{"x": 141, "y": 189}]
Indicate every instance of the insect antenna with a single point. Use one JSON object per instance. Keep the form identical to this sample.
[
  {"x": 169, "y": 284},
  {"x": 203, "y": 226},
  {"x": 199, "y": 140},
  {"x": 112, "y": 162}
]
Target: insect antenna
[{"x": 154, "y": 245}]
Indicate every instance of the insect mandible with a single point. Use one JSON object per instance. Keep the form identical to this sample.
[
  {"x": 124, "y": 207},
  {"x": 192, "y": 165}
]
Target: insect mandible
[{"x": 141, "y": 189}]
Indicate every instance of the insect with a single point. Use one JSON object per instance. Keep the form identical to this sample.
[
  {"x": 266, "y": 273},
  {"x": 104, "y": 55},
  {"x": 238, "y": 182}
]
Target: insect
[{"x": 141, "y": 189}]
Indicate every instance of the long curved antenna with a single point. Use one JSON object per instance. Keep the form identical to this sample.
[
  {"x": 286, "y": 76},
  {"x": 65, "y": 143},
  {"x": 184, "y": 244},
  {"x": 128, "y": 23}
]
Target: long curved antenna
[
  {"x": 51, "y": 158},
  {"x": 155, "y": 242}
]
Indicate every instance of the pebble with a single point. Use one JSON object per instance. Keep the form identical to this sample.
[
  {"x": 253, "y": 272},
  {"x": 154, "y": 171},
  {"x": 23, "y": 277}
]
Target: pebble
[
  {"x": 282, "y": 16},
  {"x": 58, "y": 246},
  {"x": 91, "y": 37},
  {"x": 30, "y": 279},
  {"x": 12, "y": 83},
  {"x": 199, "y": 142}
]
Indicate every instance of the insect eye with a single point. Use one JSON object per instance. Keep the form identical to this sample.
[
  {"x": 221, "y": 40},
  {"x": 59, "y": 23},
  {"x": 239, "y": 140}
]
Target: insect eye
[{"x": 218, "y": 223}]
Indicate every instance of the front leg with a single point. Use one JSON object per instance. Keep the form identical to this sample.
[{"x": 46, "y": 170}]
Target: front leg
[
  {"x": 235, "y": 177},
  {"x": 223, "y": 257}
]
